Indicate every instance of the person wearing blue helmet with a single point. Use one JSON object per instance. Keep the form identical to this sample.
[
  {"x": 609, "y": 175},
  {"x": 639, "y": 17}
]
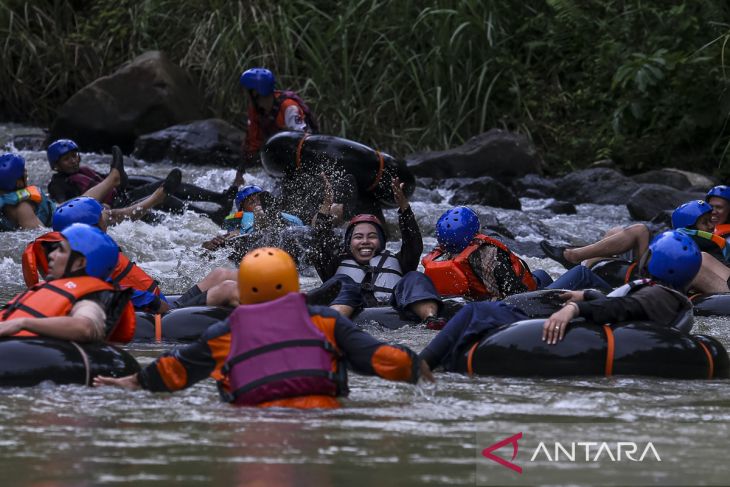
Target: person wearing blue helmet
[
  {"x": 694, "y": 219},
  {"x": 75, "y": 302},
  {"x": 122, "y": 192},
  {"x": 470, "y": 264},
  {"x": 671, "y": 263},
  {"x": 719, "y": 198},
  {"x": 254, "y": 213},
  {"x": 218, "y": 288},
  {"x": 250, "y": 206},
  {"x": 269, "y": 111},
  {"x": 22, "y": 206}
]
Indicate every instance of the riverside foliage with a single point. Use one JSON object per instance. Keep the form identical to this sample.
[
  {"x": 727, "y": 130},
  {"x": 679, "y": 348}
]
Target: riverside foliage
[{"x": 644, "y": 82}]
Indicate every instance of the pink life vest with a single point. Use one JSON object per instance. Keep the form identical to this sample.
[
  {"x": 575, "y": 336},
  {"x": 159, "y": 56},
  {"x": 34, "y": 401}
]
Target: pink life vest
[{"x": 277, "y": 352}]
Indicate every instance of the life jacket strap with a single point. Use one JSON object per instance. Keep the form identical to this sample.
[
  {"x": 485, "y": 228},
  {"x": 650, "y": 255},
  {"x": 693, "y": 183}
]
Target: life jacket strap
[
  {"x": 25, "y": 308},
  {"x": 277, "y": 346},
  {"x": 127, "y": 269},
  {"x": 281, "y": 376}
]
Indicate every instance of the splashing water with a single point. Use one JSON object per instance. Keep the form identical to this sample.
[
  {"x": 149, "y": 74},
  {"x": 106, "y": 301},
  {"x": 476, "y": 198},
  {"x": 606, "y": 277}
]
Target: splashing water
[{"x": 387, "y": 433}]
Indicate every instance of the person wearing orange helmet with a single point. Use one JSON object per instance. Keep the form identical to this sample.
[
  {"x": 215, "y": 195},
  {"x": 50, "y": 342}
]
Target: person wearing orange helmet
[
  {"x": 275, "y": 349},
  {"x": 370, "y": 274}
]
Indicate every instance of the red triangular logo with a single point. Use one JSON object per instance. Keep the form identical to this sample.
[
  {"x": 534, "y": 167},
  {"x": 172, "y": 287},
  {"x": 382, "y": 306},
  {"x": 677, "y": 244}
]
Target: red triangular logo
[{"x": 487, "y": 452}]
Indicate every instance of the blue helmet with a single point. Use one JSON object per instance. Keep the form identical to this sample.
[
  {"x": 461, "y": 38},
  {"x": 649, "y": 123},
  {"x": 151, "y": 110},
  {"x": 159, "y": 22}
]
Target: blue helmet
[
  {"x": 686, "y": 215},
  {"x": 259, "y": 79},
  {"x": 456, "y": 228},
  {"x": 100, "y": 250},
  {"x": 12, "y": 168},
  {"x": 78, "y": 210},
  {"x": 721, "y": 191},
  {"x": 245, "y": 192},
  {"x": 58, "y": 149},
  {"x": 675, "y": 259}
]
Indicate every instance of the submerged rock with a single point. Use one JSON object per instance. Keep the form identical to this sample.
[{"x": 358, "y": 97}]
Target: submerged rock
[
  {"x": 562, "y": 208},
  {"x": 147, "y": 94},
  {"x": 211, "y": 141}
]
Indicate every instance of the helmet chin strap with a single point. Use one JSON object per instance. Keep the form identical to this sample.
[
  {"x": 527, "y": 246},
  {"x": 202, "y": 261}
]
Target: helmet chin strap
[
  {"x": 644, "y": 263},
  {"x": 67, "y": 272}
]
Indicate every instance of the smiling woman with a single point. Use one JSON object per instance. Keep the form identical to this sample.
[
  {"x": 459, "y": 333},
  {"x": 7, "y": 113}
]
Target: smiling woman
[{"x": 719, "y": 198}]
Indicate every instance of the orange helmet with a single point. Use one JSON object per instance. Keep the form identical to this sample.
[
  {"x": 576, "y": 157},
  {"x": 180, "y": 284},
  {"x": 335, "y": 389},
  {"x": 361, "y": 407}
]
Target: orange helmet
[{"x": 266, "y": 274}]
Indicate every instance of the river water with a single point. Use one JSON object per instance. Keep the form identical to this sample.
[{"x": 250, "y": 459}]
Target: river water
[{"x": 387, "y": 434}]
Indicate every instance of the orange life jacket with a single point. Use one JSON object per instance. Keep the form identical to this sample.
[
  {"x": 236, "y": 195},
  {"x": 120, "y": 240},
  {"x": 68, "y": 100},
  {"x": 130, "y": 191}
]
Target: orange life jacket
[
  {"x": 722, "y": 230},
  {"x": 57, "y": 297},
  {"x": 455, "y": 277},
  {"x": 35, "y": 257},
  {"x": 125, "y": 274},
  {"x": 128, "y": 274}
]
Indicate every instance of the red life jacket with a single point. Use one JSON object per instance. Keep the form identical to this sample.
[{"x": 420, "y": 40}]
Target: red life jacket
[
  {"x": 273, "y": 122},
  {"x": 125, "y": 273},
  {"x": 455, "y": 277},
  {"x": 309, "y": 117},
  {"x": 57, "y": 297}
]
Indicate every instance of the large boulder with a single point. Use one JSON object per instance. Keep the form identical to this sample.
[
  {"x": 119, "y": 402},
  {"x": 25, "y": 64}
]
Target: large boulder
[
  {"x": 212, "y": 141},
  {"x": 534, "y": 186},
  {"x": 651, "y": 200},
  {"x": 483, "y": 191},
  {"x": 145, "y": 95},
  {"x": 676, "y": 178},
  {"x": 599, "y": 185},
  {"x": 497, "y": 153}
]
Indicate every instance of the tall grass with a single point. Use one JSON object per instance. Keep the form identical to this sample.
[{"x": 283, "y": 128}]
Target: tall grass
[{"x": 412, "y": 75}]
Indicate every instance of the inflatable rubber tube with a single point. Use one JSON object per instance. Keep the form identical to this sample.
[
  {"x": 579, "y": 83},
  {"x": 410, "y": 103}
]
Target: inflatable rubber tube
[
  {"x": 640, "y": 348},
  {"x": 615, "y": 272},
  {"x": 544, "y": 302},
  {"x": 181, "y": 324},
  {"x": 711, "y": 304},
  {"x": 290, "y": 152},
  {"x": 28, "y": 361}
]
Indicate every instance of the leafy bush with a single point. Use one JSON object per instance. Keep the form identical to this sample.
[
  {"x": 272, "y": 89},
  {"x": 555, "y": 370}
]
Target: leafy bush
[{"x": 641, "y": 81}]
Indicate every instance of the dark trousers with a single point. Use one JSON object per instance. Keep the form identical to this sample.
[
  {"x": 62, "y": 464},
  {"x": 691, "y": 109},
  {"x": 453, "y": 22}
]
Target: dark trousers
[
  {"x": 577, "y": 278},
  {"x": 469, "y": 325},
  {"x": 412, "y": 288}
]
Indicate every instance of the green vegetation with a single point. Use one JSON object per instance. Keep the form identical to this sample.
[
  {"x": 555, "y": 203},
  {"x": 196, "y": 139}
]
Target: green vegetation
[{"x": 644, "y": 82}]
